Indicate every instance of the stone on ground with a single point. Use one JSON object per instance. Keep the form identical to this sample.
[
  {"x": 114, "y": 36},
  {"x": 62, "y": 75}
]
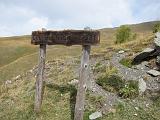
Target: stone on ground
[
  {"x": 157, "y": 39},
  {"x": 95, "y": 115},
  {"x": 73, "y": 82},
  {"x": 142, "y": 86},
  {"x": 121, "y": 52},
  {"x": 154, "y": 73},
  {"x": 143, "y": 55}
]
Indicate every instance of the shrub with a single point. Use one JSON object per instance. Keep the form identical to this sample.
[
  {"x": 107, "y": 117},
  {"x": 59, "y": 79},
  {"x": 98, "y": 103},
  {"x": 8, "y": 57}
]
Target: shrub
[
  {"x": 124, "y": 34},
  {"x": 114, "y": 83},
  {"x": 110, "y": 83},
  {"x": 130, "y": 89},
  {"x": 156, "y": 28}
]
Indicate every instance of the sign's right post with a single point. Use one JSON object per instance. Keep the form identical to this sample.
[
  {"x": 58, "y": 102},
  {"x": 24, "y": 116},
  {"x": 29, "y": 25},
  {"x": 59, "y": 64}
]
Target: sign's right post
[{"x": 83, "y": 77}]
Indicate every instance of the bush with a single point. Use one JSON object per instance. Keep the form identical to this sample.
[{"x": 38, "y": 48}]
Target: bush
[
  {"x": 110, "y": 83},
  {"x": 130, "y": 90},
  {"x": 156, "y": 28},
  {"x": 114, "y": 83},
  {"x": 124, "y": 34}
]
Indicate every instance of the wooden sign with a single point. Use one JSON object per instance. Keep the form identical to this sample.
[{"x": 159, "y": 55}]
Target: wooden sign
[
  {"x": 66, "y": 37},
  {"x": 86, "y": 38}
]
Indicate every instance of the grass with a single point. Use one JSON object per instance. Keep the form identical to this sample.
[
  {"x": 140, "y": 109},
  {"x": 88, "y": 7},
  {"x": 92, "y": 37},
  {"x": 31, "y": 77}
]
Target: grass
[
  {"x": 126, "y": 62},
  {"x": 11, "y": 51},
  {"x": 110, "y": 83},
  {"x": 58, "y": 102},
  {"x": 127, "y": 111}
]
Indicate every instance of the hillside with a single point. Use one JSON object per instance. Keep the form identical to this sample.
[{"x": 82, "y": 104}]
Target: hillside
[{"x": 17, "y": 70}]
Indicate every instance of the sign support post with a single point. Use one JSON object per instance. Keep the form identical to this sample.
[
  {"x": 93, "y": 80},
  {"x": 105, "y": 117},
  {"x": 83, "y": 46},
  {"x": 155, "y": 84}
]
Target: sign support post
[
  {"x": 40, "y": 78},
  {"x": 83, "y": 77}
]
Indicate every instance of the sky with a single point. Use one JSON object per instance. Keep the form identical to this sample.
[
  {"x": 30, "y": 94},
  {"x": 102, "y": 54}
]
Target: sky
[{"x": 21, "y": 17}]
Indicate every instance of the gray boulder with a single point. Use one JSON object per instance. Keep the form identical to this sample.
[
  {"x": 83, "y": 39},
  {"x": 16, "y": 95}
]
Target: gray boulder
[
  {"x": 95, "y": 115},
  {"x": 143, "y": 55},
  {"x": 154, "y": 73},
  {"x": 142, "y": 86},
  {"x": 157, "y": 39}
]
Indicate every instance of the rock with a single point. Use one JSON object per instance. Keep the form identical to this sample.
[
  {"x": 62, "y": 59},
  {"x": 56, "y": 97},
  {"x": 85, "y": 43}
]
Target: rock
[
  {"x": 157, "y": 39},
  {"x": 18, "y": 77},
  {"x": 136, "y": 108},
  {"x": 142, "y": 86},
  {"x": 147, "y": 50},
  {"x": 121, "y": 51},
  {"x": 95, "y": 115},
  {"x": 73, "y": 82},
  {"x": 147, "y": 105},
  {"x": 143, "y": 55},
  {"x": 31, "y": 71},
  {"x": 154, "y": 73},
  {"x": 158, "y": 34},
  {"x": 8, "y": 82},
  {"x": 158, "y": 61},
  {"x": 135, "y": 114}
]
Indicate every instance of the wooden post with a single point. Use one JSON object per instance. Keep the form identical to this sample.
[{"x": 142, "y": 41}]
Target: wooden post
[
  {"x": 39, "y": 79},
  {"x": 80, "y": 99}
]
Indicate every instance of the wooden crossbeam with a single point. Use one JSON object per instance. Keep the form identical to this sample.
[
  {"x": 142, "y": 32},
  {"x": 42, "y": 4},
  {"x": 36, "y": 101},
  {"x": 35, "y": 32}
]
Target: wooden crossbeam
[{"x": 66, "y": 37}]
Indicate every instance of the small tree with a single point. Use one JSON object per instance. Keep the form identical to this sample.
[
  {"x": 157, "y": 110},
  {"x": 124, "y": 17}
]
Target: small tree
[
  {"x": 123, "y": 34},
  {"x": 156, "y": 28}
]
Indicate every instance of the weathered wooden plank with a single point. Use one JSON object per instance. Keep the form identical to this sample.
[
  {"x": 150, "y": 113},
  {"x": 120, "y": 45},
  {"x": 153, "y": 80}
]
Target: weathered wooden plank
[
  {"x": 39, "y": 79},
  {"x": 84, "y": 75},
  {"x": 66, "y": 37}
]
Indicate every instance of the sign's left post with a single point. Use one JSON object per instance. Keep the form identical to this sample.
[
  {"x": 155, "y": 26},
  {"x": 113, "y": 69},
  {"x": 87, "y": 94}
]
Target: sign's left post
[{"x": 40, "y": 78}]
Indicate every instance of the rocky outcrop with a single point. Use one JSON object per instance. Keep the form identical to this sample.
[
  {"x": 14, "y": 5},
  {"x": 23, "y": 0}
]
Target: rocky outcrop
[
  {"x": 146, "y": 81},
  {"x": 157, "y": 40},
  {"x": 157, "y": 46},
  {"x": 149, "y": 53}
]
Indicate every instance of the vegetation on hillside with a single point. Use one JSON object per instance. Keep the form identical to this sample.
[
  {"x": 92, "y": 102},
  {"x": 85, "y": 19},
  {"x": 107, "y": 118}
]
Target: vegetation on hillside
[
  {"x": 156, "y": 28},
  {"x": 124, "y": 34},
  {"x": 126, "y": 62}
]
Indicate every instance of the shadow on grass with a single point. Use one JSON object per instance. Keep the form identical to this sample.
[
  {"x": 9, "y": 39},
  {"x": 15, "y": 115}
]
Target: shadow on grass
[{"x": 65, "y": 89}]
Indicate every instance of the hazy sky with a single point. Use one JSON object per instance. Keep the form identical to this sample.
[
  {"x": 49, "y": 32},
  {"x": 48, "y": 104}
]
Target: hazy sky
[{"x": 19, "y": 17}]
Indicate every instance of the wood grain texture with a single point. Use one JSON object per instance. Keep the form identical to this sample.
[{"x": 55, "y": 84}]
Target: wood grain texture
[
  {"x": 39, "y": 79},
  {"x": 84, "y": 75},
  {"x": 66, "y": 37}
]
